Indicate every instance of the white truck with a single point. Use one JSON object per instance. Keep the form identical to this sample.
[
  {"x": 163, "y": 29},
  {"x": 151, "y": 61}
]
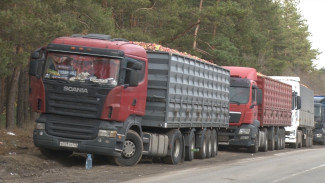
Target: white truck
[{"x": 300, "y": 133}]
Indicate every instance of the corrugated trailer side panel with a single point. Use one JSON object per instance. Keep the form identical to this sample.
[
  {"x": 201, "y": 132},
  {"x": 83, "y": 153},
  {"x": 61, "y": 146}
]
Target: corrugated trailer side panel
[
  {"x": 275, "y": 109},
  {"x": 307, "y": 107},
  {"x": 184, "y": 92}
]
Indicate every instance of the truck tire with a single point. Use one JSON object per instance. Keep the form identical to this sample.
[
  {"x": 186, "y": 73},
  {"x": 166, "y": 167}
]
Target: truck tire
[
  {"x": 208, "y": 144},
  {"x": 304, "y": 139},
  {"x": 283, "y": 138},
  {"x": 277, "y": 139},
  {"x": 264, "y": 148},
  {"x": 299, "y": 139},
  {"x": 254, "y": 148},
  {"x": 271, "y": 140},
  {"x": 175, "y": 147},
  {"x": 132, "y": 150},
  {"x": 189, "y": 150},
  {"x": 214, "y": 143},
  {"x": 200, "y": 140}
]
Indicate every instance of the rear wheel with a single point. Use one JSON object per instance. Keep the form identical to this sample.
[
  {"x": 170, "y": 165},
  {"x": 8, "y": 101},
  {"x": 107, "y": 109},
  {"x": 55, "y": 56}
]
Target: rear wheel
[
  {"x": 200, "y": 138},
  {"x": 271, "y": 141},
  {"x": 278, "y": 139},
  {"x": 175, "y": 147},
  {"x": 132, "y": 150},
  {"x": 208, "y": 144},
  {"x": 282, "y": 138},
  {"x": 189, "y": 150},
  {"x": 214, "y": 143}
]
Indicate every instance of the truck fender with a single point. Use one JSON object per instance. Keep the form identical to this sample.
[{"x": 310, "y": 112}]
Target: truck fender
[
  {"x": 256, "y": 123},
  {"x": 133, "y": 122}
]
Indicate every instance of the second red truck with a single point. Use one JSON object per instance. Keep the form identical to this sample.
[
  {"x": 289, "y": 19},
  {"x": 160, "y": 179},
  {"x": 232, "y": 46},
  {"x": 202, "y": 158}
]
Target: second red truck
[{"x": 260, "y": 108}]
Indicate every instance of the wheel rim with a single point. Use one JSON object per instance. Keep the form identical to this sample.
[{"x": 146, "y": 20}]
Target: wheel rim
[
  {"x": 128, "y": 149},
  {"x": 192, "y": 146},
  {"x": 204, "y": 148},
  {"x": 176, "y": 148},
  {"x": 209, "y": 147}
]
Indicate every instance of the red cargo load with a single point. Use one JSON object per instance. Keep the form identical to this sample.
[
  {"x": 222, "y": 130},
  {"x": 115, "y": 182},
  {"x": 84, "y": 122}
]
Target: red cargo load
[{"x": 275, "y": 109}]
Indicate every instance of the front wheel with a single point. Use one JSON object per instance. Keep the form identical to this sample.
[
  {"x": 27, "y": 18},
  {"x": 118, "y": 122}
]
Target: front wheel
[
  {"x": 132, "y": 150},
  {"x": 254, "y": 148}
]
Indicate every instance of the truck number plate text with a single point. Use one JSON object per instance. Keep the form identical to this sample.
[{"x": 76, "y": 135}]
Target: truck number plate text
[{"x": 69, "y": 144}]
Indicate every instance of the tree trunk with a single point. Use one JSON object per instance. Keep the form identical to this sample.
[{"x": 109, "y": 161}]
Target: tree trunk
[
  {"x": 11, "y": 100},
  {"x": 21, "y": 100},
  {"x": 2, "y": 98},
  {"x": 26, "y": 98},
  {"x": 197, "y": 26},
  {"x": 104, "y": 4}
]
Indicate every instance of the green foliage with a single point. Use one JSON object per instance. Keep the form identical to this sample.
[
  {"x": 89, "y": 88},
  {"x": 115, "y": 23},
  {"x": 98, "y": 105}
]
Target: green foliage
[{"x": 268, "y": 35}]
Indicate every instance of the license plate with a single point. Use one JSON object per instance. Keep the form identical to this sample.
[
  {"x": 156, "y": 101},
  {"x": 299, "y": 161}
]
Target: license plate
[
  {"x": 69, "y": 144},
  {"x": 223, "y": 139}
]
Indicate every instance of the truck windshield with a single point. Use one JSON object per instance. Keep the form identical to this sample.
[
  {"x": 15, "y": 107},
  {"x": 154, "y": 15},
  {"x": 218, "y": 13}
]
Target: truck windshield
[
  {"x": 239, "y": 95},
  {"x": 81, "y": 68}
]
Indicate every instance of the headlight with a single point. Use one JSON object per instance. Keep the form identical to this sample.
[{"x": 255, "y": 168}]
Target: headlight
[
  {"x": 40, "y": 126},
  {"x": 107, "y": 133},
  {"x": 244, "y": 131},
  {"x": 319, "y": 135}
]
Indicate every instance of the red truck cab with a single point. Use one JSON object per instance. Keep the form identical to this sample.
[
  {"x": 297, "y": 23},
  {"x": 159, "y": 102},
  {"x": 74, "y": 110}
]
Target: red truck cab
[{"x": 90, "y": 90}]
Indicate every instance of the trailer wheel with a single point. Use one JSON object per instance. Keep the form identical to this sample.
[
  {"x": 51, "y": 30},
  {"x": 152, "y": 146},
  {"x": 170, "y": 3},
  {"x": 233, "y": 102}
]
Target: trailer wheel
[
  {"x": 271, "y": 141},
  {"x": 175, "y": 147},
  {"x": 208, "y": 144},
  {"x": 132, "y": 150},
  {"x": 282, "y": 138},
  {"x": 200, "y": 140},
  {"x": 254, "y": 148},
  {"x": 299, "y": 138},
  {"x": 277, "y": 140},
  {"x": 189, "y": 150},
  {"x": 214, "y": 143}
]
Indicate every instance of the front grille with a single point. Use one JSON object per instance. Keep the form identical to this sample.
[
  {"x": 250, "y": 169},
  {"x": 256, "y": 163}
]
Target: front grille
[
  {"x": 86, "y": 105},
  {"x": 73, "y": 105},
  {"x": 74, "y": 128}
]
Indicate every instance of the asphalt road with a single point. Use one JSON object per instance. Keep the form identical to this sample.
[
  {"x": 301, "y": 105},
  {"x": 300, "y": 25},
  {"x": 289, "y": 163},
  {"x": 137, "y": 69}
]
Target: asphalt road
[{"x": 301, "y": 166}]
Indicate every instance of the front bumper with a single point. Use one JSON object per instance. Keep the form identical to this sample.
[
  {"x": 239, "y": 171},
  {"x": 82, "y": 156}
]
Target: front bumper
[
  {"x": 99, "y": 145},
  {"x": 232, "y": 137}
]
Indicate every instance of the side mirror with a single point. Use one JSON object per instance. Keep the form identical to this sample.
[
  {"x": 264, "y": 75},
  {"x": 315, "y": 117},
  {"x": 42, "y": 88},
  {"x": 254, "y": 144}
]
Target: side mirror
[
  {"x": 134, "y": 78},
  {"x": 259, "y": 96},
  {"x": 298, "y": 102},
  {"x": 36, "y": 64},
  {"x": 35, "y": 55}
]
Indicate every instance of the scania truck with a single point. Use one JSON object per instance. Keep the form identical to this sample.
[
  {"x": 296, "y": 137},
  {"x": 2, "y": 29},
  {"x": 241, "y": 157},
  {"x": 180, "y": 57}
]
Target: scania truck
[
  {"x": 107, "y": 96},
  {"x": 260, "y": 108}
]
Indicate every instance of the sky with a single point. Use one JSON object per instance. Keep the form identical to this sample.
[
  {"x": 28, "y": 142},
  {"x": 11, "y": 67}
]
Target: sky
[{"x": 313, "y": 11}]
